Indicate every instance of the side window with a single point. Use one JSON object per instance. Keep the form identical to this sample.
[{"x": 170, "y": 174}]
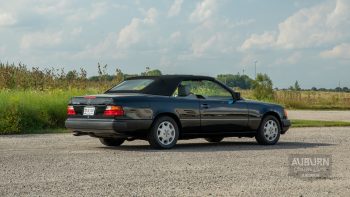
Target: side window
[{"x": 203, "y": 89}]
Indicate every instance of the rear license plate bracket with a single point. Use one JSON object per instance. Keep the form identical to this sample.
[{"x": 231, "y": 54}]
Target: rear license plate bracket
[{"x": 89, "y": 111}]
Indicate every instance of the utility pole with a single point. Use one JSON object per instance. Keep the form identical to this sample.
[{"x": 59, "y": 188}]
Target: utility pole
[{"x": 255, "y": 67}]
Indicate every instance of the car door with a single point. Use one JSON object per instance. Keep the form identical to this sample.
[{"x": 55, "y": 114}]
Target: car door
[
  {"x": 219, "y": 112},
  {"x": 223, "y": 115},
  {"x": 186, "y": 107}
]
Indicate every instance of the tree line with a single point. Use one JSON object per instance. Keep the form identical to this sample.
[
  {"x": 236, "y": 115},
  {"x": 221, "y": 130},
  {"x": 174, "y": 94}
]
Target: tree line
[{"x": 19, "y": 76}]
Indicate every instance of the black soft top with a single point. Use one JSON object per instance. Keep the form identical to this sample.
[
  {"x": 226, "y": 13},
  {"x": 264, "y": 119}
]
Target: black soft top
[{"x": 165, "y": 85}]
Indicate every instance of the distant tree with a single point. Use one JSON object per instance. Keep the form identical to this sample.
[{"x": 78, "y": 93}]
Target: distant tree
[
  {"x": 72, "y": 75},
  {"x": 263, "y": 87},
  {"x": 126, "y": 76},
  {"x": 119, "y": 76},
  {"x": 338, "y": 89},
  {"x": 82, "y": 74},
  {"x": 94, "y": 78},
  {"x": 102, "y": 73},
  {"x": 346, "y": 89},
  {"x": 297, "y": 86},
  {"x": 155, "y": 72},
  {"x": 240, "y": 81},
  {"x": 314, "y": 89}
]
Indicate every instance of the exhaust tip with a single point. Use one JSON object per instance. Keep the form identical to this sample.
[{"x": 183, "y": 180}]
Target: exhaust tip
[{"x": 78, "y": 133}]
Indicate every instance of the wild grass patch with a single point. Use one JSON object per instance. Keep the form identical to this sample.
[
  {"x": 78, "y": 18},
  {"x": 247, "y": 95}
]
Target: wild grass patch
[{"x": 29, "y": 111}]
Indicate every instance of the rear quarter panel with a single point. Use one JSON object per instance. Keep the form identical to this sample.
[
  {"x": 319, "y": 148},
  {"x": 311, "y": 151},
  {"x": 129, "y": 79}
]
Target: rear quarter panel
[
  {"x": 148, "y": 107},
  {"x": 186, "y": 110}
]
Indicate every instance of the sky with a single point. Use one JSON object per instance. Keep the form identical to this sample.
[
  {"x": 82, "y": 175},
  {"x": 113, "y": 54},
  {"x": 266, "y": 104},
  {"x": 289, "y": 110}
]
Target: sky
[{"x": 289, "y": 40}]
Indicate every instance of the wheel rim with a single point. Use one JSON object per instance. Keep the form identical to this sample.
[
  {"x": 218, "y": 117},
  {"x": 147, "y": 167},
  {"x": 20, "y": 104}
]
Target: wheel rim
[
  {"x": 166, "y": 133},
  {"x": 270, "y": 130}
]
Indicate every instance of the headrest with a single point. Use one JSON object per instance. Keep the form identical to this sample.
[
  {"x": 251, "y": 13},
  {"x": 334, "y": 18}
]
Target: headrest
[{"x": 183, "y": 90}]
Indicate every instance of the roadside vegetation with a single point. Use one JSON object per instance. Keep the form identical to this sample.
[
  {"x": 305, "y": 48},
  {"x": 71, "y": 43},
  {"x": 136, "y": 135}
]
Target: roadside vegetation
[
  {"x": 32, "y": 110},
  {"x": 318, "y": 123},
  {"x": 306, "y": 99},
  {"x": 33, "y": 99}
]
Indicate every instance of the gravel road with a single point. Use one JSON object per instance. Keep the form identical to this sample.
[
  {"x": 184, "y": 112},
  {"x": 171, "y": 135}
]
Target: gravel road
[
  {"x": 320, "y": 115},
  {"x": 63, "y": 165}
]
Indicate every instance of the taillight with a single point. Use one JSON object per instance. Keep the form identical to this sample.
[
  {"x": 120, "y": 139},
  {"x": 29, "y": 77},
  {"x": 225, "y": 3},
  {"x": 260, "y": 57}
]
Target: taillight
[
  {"x": 70, "y": 110},
  {"x": 114, "y": 111},
  {"x": 90, "y": 97}
]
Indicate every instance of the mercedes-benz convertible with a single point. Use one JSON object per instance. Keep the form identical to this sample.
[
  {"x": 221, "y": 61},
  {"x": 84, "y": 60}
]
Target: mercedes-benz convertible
[{"x": 165, "y": 109}]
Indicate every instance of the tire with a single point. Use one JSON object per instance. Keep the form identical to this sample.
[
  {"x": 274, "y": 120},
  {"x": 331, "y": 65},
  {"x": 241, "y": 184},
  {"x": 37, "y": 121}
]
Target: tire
[
  {"x": 112, "y": 141},
  {"x": 214, "y": 139},
  {"x": 269, "y": 131},
  {"x": 164, "y": 133}
]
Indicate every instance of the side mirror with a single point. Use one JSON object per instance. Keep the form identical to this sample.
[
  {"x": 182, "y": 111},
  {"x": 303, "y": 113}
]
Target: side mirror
[{"x": 236, "y": 95}]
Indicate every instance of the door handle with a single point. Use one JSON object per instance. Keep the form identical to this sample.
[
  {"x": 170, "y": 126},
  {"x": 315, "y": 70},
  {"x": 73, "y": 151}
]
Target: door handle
[{"x": 205, "y": 106}]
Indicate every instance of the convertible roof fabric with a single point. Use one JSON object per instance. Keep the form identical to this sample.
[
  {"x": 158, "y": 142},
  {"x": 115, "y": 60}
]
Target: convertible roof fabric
[{"x": 165, "y": 85}]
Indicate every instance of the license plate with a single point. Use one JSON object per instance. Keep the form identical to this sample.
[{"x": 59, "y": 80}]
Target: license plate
[{"x": 89, "y": 111}]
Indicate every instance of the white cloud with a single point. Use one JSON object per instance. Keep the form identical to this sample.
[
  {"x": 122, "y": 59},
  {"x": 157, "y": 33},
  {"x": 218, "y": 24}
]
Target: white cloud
[
  {"x": 49, "y": 7},
  {"x": 106, "y": 48},
  {"x": 151, "y": 16},
  {"x": 90, "y": 13},
  {"x": 41, "y": 39},
  {"x": 239, "y": 23},
  {"x": 311, "y": 27},
  {"x": 2, "y": 49},
  {"x": 175, "y": 35},
  {"x": 97, "y": 9},
  {"x": 204, "y": 10},
  {"x": 175, "y": 8},
  {"x": 322, "y": 24},
  {"x": 248, "y": 59},
  {"x": 7, "y": 19},
  {"x": 213, "y": 35},
  {"x": 132, "y": 33},
  {"x": 200, "y": 46},
  {"x": 211, "y": 44},
  {"x": 76, "y": 31},
  {"x": 118, "y": 45},
  {"x": 340, "y": 51},
  {"x": 259, "y": 41},
  {"x": 291, "y": 59}
]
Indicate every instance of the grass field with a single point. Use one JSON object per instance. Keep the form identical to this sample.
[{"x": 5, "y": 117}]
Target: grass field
[
  {"x": 315, "y": 100},
  {"x": 31, "y": 111},
  {"x": 318, "y": 123}
]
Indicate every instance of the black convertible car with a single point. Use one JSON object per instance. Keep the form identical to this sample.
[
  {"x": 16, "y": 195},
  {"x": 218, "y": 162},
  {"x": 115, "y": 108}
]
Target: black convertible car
[{"x": 163, "y": 109}]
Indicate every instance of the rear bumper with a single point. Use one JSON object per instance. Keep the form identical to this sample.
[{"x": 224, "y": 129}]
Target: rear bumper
[
  {"x": 285, "y": 125},
  {"x": 108, "y": 127}
]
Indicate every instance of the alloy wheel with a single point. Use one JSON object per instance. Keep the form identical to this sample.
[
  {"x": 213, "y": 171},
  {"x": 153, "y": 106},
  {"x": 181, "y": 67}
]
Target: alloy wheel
[
  {"x": 166, "y": 132},
  {"x": 270, "y": 130}
]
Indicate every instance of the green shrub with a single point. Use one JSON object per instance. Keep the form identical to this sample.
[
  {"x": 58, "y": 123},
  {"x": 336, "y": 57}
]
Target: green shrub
[
  {"x": 27, "y": 111},
  {"x": 263, "y": 87}
]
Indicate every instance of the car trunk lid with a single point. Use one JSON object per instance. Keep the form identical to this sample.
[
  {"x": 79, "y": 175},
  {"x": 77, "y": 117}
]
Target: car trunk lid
[{"x": 91, "y": 106}]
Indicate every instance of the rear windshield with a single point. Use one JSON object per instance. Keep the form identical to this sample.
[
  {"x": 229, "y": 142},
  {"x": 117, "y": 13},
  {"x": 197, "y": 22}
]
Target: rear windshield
[{"x": 132, "y": 85}]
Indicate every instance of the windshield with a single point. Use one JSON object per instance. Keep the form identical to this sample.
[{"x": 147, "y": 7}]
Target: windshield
[{"x": 134, "y": 84}]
